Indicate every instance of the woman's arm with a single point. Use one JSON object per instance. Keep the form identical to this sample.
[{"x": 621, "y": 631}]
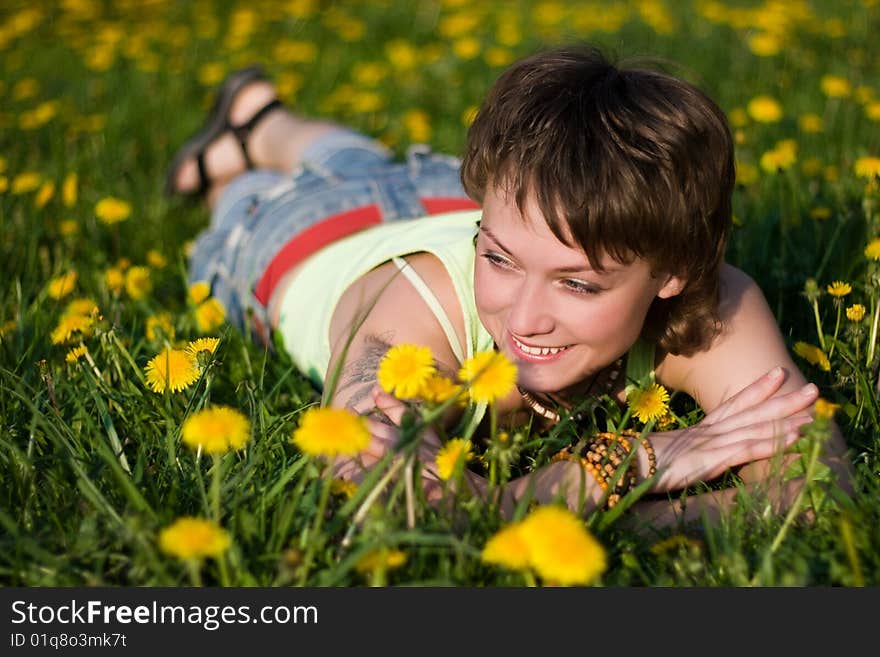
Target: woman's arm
[
  {"x": 378, "y": 311},
  {"x": 749, "y": 344}
]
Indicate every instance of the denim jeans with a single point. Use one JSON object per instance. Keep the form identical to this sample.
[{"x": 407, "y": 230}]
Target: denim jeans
[{"x": 262, "y": 210}]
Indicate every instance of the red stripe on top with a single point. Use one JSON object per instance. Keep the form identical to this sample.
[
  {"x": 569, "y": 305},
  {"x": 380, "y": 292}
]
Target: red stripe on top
[
  {"x": 329, "y": 230},
  {"x": 441, "y": 204}
]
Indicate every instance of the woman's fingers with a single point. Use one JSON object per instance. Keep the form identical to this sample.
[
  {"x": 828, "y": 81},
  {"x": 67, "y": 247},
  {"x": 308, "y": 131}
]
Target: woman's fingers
[
  {"x": 391, "y": 406},
  {"x": 754, "y": 393},
  {"x": 694, "y": 455},
  {"x": 775, "y": 408}
]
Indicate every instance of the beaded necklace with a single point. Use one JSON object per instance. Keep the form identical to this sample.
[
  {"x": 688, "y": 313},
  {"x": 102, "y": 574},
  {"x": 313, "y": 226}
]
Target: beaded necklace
[{"x": 553, "y": 416}]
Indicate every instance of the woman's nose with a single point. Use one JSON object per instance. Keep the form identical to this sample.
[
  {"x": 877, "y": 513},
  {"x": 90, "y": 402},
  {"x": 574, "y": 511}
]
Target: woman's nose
[{"x": 529, "y": 311}]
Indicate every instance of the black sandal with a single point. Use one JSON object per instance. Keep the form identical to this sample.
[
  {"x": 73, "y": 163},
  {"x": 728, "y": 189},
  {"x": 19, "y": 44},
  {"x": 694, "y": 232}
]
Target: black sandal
[{"x": 217, "y": 125}]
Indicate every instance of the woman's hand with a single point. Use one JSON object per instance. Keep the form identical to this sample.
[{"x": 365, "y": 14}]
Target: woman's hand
[{"x": 752, "y": 425}]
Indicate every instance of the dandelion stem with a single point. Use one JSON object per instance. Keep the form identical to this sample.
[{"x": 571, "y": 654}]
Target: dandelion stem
[
  {"x": 410, "y": 492},
  {"x": 872, "y": 341},
  {"x": 368, "y": 501},
  {"x": 193, "y": 567},
  {"x": 836, "y": 328},
  {"x": 493, "y": 430},
  {"x": 215, "y": 488},
  {"x": 818, "y": 324},
  {"x": 314, "y": 540},
  {"x": 795, "y": 508}
]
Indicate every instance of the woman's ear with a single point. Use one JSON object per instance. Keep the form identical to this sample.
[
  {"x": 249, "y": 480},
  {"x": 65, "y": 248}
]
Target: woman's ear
[{"x": 672, "y": 287}]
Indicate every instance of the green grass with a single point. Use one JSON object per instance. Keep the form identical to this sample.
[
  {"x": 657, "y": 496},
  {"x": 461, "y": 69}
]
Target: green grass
[{"x": 127, "y": 82}]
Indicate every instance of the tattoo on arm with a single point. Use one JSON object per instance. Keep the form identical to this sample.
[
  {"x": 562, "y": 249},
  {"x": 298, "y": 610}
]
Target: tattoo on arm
[
  {"x": 360, "y": 374},
  {"x": 362, "y": 371}
]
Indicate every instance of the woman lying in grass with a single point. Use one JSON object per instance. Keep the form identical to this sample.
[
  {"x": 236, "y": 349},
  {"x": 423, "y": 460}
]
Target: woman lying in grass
[{"x": 582, "y": 236}]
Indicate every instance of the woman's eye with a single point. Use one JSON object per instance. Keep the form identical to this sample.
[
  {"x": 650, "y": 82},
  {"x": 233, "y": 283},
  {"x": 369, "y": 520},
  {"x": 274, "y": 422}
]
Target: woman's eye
[
  {"x": 580, "y": 287},
  {"x": 497, "y": 260}
]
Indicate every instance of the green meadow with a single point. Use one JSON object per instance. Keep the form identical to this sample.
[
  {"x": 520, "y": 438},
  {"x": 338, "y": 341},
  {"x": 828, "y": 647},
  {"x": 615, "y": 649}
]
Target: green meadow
[{"x": 95, "y": 98}]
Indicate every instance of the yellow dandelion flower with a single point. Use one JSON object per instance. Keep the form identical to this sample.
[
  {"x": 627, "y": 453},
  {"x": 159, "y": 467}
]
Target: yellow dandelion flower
[
  {"x": 497, "y": 57},
  {"x": 466, "y": 48},
  {"x": 811, "y": 123},
  {"x": 780, "y": 158},
  {"x": 159, "y": 326},
  {"x": 172, "y": 369},
  {"x": 210, "y": 315},
  {"x": 193, "y": 538},
  {"x": 216, "y": 430},
  {"x": 438, "y": 389},
  {"x": 455, "y": 451},
  {"x": 25, "y": 182},
  {"x": 405, "y": 369},
  {"x": 114, "y": 279},
  {"x": 45, "y": 194},
  {"x": 68, "y": 227},
  {"x": 813, "y": 355},
  {"x": 200, "y": 345},
  {"x": 867, "y": 167},
  {"x": 825, "y": 409},
  {"x": 839, "y": 289},
  {"x": 855, "y": 313},
  {"x": 331, "y": 432},
  {"x": 820, "y": 213},
  {"x": 560, "y": 548},
  {"x": 343, "y": 487},
  {"x": 7, "y": 327},
  {"x": 72, "y": 327},
  {"x": 418, "y": 125},
  {"x": 489, "y": 376},
  {"x": 812, "y": 166},
  {"x": 381, "y": 558},
  {"x": 401, "y": 54},
  {"x": 156, "y": 259},
  {"x": 764, "y": 109},
  {"x": 198, "y": 292},
  {"x": 123, "y": 264},
  {"x": 82, "y": 306},
  {"x": 746, "y": 173},
  {"x": 872, "y": 251},
  {"x": 112, "y": 210},
  {"x": 69, "y": 190},
  {"x": 60, "y": 286},
  {"x": 138, "y": 283},
  {"x": 835, "y": 86},
  {"x": 765, "y": 44},
  {"x": 739, "y": 118},
  {"x": 507, "y": 548},
  {"x": 76, "y": 353},
  {"x": 650, "y": 403},
  {"x": 872, "y": 111}
]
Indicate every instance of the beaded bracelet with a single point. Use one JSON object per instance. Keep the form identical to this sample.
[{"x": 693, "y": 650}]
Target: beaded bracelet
[{"x": 604, "y": 456}]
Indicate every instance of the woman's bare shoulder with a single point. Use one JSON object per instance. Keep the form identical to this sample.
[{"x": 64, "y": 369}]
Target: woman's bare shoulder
[{"x": 747, "y": 345}]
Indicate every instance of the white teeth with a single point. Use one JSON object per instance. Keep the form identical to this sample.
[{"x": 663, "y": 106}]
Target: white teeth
[{"x": 538, "y": 351}]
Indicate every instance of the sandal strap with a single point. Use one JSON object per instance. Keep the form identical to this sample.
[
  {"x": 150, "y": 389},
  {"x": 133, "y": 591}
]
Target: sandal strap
[{"x": 243, "y": 131}]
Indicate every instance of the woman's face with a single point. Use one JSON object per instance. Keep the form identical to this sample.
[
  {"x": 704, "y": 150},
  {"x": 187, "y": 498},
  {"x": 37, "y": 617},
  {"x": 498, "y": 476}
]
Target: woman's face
[{"x": 555, "y": 317}]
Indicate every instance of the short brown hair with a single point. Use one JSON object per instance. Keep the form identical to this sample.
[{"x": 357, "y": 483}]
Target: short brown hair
[{"x": 632, "y": 162}]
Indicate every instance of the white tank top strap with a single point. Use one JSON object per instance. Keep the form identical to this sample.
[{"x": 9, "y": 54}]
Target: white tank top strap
[{"x": 433, "y": 303}]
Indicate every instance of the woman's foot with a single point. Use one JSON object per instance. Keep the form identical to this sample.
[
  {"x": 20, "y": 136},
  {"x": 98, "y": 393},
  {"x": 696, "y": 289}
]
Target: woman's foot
[{"x": 225, "y": 147}]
